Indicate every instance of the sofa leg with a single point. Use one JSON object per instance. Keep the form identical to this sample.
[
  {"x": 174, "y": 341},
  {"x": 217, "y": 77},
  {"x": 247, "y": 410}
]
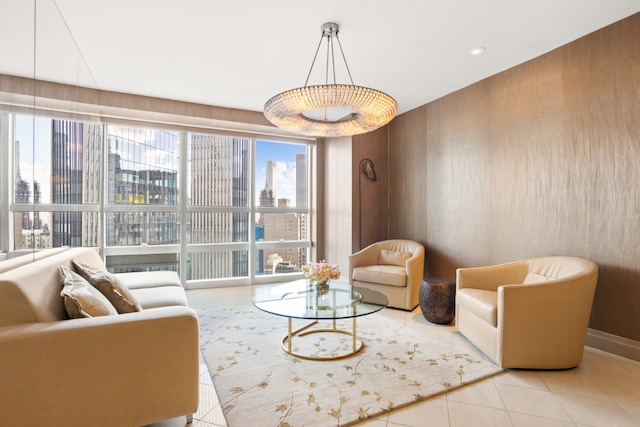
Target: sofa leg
[{"x": 189, "y": 419}]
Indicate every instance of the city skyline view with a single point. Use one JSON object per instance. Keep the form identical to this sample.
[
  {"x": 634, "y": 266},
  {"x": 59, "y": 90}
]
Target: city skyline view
[
  {"x": 35, "y": 164},
  {"x": 114, "y": 186}
]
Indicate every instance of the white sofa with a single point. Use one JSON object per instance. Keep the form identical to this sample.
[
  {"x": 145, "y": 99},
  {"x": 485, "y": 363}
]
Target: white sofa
[
  {"x": 394, "y": 267},
  {"x": 528, "y": 314},
  {"x": 120, "y": 370}
]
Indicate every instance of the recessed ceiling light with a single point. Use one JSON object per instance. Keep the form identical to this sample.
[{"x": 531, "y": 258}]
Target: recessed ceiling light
[{"x": 477, "y": 50}]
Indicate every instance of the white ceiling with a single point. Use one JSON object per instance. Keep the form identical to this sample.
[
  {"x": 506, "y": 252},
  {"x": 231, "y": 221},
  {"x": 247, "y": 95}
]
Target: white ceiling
[{"x": 240, "y": 53}]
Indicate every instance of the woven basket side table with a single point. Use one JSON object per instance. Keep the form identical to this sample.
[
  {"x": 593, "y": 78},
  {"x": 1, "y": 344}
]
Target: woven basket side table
[{"x": 438, "y": 300}]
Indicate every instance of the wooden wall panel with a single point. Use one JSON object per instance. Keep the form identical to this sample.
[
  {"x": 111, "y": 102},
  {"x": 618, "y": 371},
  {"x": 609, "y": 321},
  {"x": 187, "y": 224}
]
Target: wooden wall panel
[
  {"x": 602, "y": 82},
  {"x": 407, "y": 176},
  {"x": 370, "y": 198},
  {"x": 541, "y": 159},
  {"x": 534, "y": 196},
  {"x": 458, "y": 182}
]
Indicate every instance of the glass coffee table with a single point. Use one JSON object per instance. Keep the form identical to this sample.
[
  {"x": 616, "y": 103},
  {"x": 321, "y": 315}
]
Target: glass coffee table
[{"x": 300, "y": 300}]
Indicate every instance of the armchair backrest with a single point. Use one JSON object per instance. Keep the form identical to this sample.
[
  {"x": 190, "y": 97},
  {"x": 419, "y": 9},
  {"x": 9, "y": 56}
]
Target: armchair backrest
[
  {"x": 400, "y": 245},
  {"x": 558, "y": 267}
]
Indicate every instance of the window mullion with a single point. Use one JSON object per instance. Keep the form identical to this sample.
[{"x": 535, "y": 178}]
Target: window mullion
[
  {"x": 252, "y": 210},
  {"x": 184, "y": 201}
]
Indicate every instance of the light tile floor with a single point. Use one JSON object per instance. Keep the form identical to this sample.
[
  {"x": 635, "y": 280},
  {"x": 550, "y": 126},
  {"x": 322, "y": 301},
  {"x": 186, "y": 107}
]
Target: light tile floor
[{"x": 604, "y": 391}]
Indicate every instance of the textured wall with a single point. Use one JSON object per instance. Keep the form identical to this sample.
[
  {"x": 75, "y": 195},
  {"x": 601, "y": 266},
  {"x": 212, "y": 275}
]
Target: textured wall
[
  {"x": 370, "y": 198},
  {"x": 541, "y": 159}
]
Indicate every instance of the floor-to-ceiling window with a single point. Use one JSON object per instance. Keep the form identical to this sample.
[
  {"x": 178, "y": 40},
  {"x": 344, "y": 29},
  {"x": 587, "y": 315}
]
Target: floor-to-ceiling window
[{"x": 217, "y": 208}]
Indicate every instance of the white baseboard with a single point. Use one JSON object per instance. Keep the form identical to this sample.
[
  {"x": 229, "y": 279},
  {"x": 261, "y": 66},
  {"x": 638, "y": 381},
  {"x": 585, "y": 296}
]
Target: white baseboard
[{"x": 613, "y": 344}]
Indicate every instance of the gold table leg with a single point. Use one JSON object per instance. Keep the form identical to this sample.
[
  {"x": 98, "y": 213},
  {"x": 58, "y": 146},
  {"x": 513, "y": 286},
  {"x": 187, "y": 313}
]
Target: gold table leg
[{"x": 287, "y": 345}]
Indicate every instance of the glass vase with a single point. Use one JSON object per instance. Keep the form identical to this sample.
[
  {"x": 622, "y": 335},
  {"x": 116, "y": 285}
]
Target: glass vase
[{"x": 322, "y": 288}]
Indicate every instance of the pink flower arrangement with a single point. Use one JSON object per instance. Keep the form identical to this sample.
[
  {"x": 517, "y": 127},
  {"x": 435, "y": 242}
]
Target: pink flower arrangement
[{"x": 321, "y": 271}]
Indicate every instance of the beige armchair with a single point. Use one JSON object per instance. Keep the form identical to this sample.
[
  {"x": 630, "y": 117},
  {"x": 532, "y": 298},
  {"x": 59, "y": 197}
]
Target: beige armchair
[
  {"x": 393, "y": 267},
  {"x": 528, "y": 314}
]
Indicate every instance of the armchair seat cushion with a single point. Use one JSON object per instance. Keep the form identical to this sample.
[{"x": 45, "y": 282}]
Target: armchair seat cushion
[
  {"x": 480, "y": 302},
  {"x": 391, "y": 275}
]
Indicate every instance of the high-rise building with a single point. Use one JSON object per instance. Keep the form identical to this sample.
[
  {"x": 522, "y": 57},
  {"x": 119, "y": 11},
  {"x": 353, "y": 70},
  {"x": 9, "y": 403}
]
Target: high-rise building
[
  {"x": 270, "y": 184},
  {"x": 219, "y": 177},
  {"x": 283, "y": 226},
  {"x": 302, "y": 197},
  {"x": 22, "y": 194},
  {"x": 75, "y": 179},
  {"x": 268, "y": 194},
  {"x": 141, "y": 181},
  {"x": 66, "y": 181},
  {"x": 91, "y": 181},
  {"x": 301, "y": 180}
]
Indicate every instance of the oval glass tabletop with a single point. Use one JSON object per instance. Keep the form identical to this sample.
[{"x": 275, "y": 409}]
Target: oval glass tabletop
[{"x": 300, "y": 299}]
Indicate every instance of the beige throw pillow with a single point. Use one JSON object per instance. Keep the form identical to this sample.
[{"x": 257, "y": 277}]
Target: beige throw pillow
[
  {"x": 393, "y": 258},
  {"x": 81, "y": 299},
  {"x": 111, "y": 287}
]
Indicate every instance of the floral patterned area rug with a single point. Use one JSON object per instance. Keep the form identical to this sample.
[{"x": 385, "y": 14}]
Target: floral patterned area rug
[{"x": 258, "y": 384}]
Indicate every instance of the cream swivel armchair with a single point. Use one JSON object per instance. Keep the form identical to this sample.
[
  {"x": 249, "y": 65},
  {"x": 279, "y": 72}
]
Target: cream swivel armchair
[
  {"x": 528, "y": 314},
  {"x": 393, "y": 267}
]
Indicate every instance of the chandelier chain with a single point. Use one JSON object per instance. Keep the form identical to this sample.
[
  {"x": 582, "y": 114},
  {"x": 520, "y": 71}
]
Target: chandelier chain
[
  {"x": 333, "y": 61},
  {"x": 344, "y": 58},
  {"x": 313, "y": 62}
]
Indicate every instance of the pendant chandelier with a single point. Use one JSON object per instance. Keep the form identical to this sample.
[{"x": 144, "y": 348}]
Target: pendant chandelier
[{"x": 330, "y": 110}]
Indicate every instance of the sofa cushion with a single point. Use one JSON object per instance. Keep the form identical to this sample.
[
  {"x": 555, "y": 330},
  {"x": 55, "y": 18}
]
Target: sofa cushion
[
  {"x": 382, "y": 274},
  {"x": 149, "y": 279},
  {"x": 162, "y": 296},
  {"x": 110, "y": 286},
  {"x": 81, "y": 299},
  {"x": 482, "y": 303},
  {"x": 398, "y": 258}
]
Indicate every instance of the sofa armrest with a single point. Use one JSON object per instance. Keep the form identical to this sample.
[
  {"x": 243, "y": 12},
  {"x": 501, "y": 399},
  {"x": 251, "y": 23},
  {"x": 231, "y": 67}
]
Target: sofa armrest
[
  {"x": 128, "y": 369},
  {"x": 491, "y": 277}
]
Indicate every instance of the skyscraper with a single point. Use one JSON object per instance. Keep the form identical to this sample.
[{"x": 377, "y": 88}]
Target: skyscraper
[
  {"x": 302, "y": 197},
  {"x": 75, "y": 179},
  {"x": 142, "y": 179},
  {"x": 66, "y": 181},
  {"x": 22, "y": 194},
  {"x": 268, "y": 194},
  {"x": 301, "y": 180},
  {"x": 219, "y": 177}
]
